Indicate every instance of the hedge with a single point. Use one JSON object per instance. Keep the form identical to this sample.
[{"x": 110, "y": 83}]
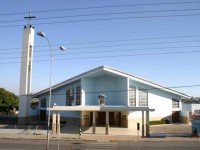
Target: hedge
[{"x": 157, "y": 122}]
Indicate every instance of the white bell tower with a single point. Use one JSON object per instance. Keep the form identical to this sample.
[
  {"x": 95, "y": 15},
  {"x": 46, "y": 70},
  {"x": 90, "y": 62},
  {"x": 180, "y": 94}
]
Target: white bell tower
[{"x": 26, "y": 72}]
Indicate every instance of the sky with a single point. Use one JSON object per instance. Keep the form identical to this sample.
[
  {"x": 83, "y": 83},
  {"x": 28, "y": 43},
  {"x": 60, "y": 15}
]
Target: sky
[{"x": 157, "y": 40}]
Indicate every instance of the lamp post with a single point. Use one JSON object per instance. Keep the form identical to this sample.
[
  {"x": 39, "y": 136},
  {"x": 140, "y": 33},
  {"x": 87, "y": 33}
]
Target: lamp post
[{"x": 42, "y": 34}]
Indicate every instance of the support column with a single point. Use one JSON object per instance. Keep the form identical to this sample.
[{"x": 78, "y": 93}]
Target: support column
[
  {"x": 58, "y": 123},
  {"x": 147, "y": 124},
  {"x": 107, "y": 122},
  {"x": 93, "y": 123},
  {"x": 142, "y": 123},
  {"x": 54, "y": 123}
]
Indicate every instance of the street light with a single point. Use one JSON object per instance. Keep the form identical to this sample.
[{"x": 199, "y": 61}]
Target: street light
[{"x": 42, "y": 34}]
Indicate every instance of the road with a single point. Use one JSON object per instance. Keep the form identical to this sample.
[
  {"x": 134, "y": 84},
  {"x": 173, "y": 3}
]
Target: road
[{"x": 7, "y": 144}]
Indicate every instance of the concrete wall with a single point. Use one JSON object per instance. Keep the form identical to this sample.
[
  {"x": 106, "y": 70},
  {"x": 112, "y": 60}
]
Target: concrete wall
[
  {"x": 162, "y": 103},
  {"x": 187, "y": 112}
]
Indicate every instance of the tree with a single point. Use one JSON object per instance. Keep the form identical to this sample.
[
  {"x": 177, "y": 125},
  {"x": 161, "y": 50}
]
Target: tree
[
  {"x": 192, "y": 100},
  {"x": 8, "y": 101}
]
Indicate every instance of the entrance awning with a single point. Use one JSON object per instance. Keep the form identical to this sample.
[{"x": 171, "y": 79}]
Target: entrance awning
[
  {"x": 106, "y": 109},
  {"x": 100, "y": 108}
]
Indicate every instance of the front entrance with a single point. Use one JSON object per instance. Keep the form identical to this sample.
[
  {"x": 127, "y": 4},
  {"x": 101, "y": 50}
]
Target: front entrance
[
  {"x": 102, "y": 118},
  {"x": 42, "y": 115},
  {"x": 175, "y": 116}
]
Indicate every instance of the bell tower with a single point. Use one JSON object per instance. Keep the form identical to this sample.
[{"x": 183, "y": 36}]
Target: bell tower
[{"x": 26, "y": 71}]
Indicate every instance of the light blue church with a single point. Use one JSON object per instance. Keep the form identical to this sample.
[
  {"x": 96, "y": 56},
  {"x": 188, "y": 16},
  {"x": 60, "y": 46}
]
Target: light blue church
[{"x": 107, "y": 96}]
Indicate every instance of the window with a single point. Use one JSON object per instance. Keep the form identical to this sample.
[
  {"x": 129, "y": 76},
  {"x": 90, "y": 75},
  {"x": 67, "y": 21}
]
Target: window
[
  {"x": 175, "y": 103},
  {"x": 132, "y": 96},
  {"x": 43, "y": 103},
  {"x": 197, "y": 112},
  {"x": 70, "y": 97},
  {"x": 143, "y": 98},
  {"x": 34, "y": 103},
  {"x": 78, "y": 95}
]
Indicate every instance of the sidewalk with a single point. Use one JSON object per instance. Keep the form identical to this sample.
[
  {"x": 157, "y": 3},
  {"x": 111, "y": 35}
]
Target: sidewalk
[
  {"x": 171, "y": 132},
  {"x": 97, "y": 138}
]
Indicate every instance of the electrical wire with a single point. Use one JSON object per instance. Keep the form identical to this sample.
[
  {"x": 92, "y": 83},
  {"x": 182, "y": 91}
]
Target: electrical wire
[
  {"x": 107, "y": 41},
  {"x": 148, "y": 89},
  {"x": 108, "y": 56},
  {"x": 118, "y": 45},
  {"x": 103, "y": 14},
  {"x": 108, "y": 51},
  {"x": 100, "y": 7},
  {"x": 102, "y": 19}
]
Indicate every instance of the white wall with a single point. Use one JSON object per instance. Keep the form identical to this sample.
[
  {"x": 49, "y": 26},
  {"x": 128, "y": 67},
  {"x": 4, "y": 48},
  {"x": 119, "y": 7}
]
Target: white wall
[
  {"x": 159, "y": 100},
  {"x": 187, "y": 107},
  {"x": 195, "y": 107}
]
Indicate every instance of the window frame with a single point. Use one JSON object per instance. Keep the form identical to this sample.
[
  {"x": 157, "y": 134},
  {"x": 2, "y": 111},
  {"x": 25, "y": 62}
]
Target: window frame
[
  {"x": 43, "y": 103},
  {"x": 143, "y": 99},
  {"x": 175, "y": 103},
  {"x": 78, "y": 95},
  {"x": 132, "y": 96},
  {"x": 70, "y": 97}
]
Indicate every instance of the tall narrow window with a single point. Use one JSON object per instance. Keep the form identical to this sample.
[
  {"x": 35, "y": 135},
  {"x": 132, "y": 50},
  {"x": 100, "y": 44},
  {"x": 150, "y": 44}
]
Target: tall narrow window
[
  {"x": 43, "y": 103},
  {"x": 175, "y": 103},
  {"x": 78, "y": 95},
  {"x": 132, "y": 96},
  {"x": 70, "y": 97},
  {"x": 143, "y": 98}
]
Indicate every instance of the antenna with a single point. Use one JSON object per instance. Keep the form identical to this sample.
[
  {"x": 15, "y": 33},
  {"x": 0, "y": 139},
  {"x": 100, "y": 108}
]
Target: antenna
[{"x": 29, "y": 18}]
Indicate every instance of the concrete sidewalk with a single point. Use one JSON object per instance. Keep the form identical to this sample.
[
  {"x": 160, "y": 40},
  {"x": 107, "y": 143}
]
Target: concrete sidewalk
[
  {"x": 171, "y": 132},
  {"x": 96, "y": 138}
]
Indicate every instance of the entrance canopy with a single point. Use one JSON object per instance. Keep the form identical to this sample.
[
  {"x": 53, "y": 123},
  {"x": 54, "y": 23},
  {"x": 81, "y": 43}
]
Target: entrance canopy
[
  {"x": 99, "y": 108},
  {"x": 107, "y": 109}
]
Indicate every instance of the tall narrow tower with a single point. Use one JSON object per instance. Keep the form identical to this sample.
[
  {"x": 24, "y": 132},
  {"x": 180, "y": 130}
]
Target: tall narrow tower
[{"x": 26, "y": 72}]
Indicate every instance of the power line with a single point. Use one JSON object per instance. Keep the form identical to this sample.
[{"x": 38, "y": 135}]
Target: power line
[
  {"x": 108, "y": 51},
  {"x": 104, "y": 19},
  {"x": 118, "y": 45},
  {"x": 108, "y": 41},
  {"x": 109, "y": 56},
  {"x": 100, "y": 7},
  {"x": 125, "y": 90},
  {"x": 103, "y": 14}
]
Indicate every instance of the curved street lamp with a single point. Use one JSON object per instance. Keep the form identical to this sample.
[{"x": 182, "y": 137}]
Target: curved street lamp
[{"x": 42, "y": 34}]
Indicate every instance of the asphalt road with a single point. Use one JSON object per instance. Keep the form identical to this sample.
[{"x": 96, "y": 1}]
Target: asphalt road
[{"x": 7, "y": 144}]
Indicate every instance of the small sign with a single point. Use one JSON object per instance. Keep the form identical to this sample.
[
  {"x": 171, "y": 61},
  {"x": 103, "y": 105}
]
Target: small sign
[{"x": 138, "y": 126}]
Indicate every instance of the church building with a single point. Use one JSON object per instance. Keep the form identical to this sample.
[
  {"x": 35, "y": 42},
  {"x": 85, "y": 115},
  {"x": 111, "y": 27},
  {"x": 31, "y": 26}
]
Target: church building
[{"x": 107, "y": 96}]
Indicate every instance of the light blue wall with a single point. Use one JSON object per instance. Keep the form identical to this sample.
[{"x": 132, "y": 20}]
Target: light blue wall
[
  {"x": 88, "y": 95},
  {"x": 123, "y": 94},
  {"x": 115, "y": 88},
  {"x": 59, "y": 97}
]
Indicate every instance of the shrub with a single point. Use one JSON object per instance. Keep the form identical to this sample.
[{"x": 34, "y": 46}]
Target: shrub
[{"x": 157, "y": 122}]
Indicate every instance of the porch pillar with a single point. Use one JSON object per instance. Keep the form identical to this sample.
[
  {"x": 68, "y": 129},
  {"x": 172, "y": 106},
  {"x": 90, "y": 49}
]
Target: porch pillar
[
  {"x": 142, "y": 123},
  {"x": 93, "y": 123},
  {"x": 58, "y": 123},
  {"x": 54, "y": 123},
  {"x": 147, "y": 124},
  {"x": 107, "y": 122}
]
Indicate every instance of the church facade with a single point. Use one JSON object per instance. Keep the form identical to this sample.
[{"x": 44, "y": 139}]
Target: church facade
[{"x": 128, "y": 95}]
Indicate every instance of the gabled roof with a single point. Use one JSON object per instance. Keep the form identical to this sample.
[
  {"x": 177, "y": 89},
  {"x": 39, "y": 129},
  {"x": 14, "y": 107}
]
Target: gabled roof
[{"x": 108, "y": 70}]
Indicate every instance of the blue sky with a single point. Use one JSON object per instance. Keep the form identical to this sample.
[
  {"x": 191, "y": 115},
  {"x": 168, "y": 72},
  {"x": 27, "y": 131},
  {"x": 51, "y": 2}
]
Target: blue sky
[{"x": 149, "y": 39}]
